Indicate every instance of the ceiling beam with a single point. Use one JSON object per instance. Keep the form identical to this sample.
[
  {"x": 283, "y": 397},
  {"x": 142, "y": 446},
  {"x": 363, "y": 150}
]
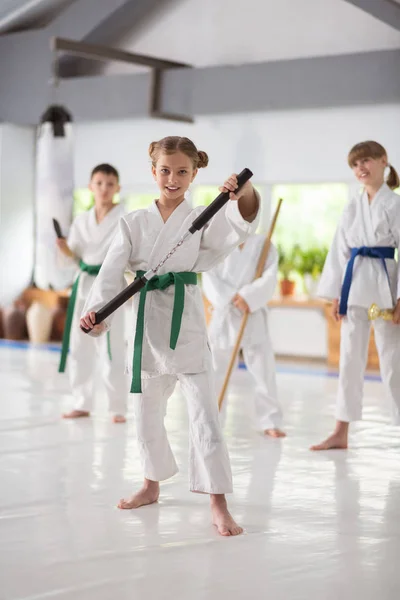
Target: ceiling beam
[
  {"x": 102, "y": 22},
  {"x": 369, "y": 78},
  {"x": 30, "y": 14},
  {"x": 348, "y": 80},
  {"x": 386, "y": 11},
  {"x": 82, "y": 17},
  {"x": 105, "y": 53}
]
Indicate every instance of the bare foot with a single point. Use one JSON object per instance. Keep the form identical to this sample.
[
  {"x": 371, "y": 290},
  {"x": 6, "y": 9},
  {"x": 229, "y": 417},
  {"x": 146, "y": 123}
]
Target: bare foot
[
  {"x": 76, "y": 414},
  {"x": 119, "y": 419},
  {"x": 335, "y": 441},
  {"x": 275, "y": 433},
  {"x": 147, "y": 495},
  {"x": 222, "y": 519}
]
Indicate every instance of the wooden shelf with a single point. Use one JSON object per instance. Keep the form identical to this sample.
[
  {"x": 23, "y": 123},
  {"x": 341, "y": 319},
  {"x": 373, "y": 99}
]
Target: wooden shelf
[{"x": 294, "y": 302}]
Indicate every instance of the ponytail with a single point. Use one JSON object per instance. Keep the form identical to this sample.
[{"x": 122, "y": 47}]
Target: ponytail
[{"x": 393, "y": 180}]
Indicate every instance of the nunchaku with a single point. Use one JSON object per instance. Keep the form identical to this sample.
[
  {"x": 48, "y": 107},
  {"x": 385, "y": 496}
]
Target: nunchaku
[
  {"x": 197, "y": 224},
  {"x": 57, "y": 229}
]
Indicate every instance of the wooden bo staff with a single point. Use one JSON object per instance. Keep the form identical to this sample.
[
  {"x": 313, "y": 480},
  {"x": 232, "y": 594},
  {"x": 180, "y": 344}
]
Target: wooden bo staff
[{"x": 259, "y": 271}]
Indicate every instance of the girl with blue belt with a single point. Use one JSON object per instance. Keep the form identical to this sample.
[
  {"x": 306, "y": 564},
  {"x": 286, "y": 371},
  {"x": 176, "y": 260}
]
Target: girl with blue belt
[{"x": 361, "y": 270}]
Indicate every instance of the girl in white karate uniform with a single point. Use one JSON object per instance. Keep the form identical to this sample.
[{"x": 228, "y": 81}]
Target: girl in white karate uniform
[
  {"x": 171, "y": 340},
  {"x": 231, "y": 289},
  {"x": 89, "y": 239},
  {"x": 360, "y": 270}
]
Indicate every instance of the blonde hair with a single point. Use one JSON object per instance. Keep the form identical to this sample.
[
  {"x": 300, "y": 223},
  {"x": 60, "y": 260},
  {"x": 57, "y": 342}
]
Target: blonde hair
[
  {"x": 372, "y": 149},
  {"x": 174, "y": 143}
]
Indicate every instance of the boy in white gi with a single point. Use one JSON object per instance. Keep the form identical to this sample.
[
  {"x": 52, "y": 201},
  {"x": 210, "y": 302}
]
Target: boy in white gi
[
  {"x": 360, "y": 270},
  {"x": 171, "y": 340},
  {"x": 232, "y": 291},
  {"x": 89, "y": 239}
]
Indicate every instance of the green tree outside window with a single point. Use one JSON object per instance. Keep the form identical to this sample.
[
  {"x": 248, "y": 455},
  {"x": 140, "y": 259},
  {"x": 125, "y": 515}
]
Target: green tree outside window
[
  {"x": 138, "y": 201},
  {"x": 309, "y": 213},
  {"x": 84, "y": 200}
]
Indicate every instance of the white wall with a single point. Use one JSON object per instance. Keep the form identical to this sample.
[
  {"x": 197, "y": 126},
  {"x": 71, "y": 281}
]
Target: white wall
[
  {"x": 295, "y": 146},
  {"x": 17, "y": 153}
]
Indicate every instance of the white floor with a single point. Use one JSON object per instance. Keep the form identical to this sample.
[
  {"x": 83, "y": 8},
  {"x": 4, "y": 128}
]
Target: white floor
[{"x": 318, "y": 526}]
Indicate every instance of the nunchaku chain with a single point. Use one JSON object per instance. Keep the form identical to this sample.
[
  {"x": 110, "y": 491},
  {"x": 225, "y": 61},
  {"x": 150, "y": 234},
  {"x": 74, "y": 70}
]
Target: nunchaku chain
[{"x": 168, "y": 256}]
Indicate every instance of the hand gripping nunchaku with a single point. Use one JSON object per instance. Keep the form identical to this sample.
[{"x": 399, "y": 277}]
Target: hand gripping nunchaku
[{"x": 197, "y": 224}]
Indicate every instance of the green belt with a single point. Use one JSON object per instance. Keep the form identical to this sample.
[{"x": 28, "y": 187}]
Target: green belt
[
  {"x": 159, "y": 282},
  {"x": 91, "y": 270}
]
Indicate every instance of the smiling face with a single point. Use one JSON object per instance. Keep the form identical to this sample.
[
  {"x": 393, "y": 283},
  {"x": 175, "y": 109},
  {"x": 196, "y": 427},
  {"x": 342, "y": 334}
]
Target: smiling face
[
  {"x": 370, "y": 171},
  {"x": 368, "y": 161},
  {"x": 173, "y": 173}
]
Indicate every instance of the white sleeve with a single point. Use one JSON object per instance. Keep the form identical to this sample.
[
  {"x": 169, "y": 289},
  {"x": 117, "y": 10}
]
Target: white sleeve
[
  {"x": 216, "y": 290},
  {"x": 111, "y": 281},
  {"x": 330, "y": 284},
  {"x": 398, "y": 270},
  {"x": 226, "y": 230},
  {"x": 260, "y": 291}
]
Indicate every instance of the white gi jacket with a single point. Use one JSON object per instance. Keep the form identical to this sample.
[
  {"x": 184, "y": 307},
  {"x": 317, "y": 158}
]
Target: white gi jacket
[
  {"x": 235, "y": 276},
  {"x": 364, "y": 224},
  {"x": 142, "y": 241}
]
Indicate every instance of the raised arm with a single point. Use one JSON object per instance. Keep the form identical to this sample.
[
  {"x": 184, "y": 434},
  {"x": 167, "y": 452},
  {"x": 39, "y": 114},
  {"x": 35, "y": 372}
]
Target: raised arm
[{"x": 230, "y": 226}]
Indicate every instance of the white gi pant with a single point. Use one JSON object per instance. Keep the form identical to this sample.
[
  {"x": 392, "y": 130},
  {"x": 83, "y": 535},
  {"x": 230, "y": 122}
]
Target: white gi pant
[
  {"x": 260, "y": 362},
  {"x": 354, "y": 340},
  {"x": 85, "y": 353},
  {"x": 209, "y": 465}
]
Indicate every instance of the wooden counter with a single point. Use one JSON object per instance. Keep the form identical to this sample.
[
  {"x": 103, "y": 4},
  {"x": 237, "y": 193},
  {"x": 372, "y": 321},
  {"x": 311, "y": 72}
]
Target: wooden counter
[{"x": 333, "y": 328}]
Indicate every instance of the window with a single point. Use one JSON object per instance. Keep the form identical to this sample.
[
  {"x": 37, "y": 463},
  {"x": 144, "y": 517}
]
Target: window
[
  {"x": 137, "y": 201},
  {"x": 309, "y": 214},
  {"x": 203, "y": 195},
  {"x": 83, "y": 201}
]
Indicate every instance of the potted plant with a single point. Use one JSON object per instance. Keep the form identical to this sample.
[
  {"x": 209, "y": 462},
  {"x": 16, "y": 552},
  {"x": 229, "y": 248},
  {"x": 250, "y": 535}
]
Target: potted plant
[
  {"x": 310, "y": 265},
  {"x": 286, "y": 267}
]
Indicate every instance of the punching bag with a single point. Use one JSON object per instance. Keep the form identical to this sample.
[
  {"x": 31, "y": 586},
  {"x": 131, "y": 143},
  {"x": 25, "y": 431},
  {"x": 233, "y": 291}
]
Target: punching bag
[{"x": 54, "y": 195}]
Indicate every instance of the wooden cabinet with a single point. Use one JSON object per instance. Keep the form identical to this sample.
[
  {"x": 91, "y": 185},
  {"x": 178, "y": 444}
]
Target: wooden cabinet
[{"x": 332, "y": 328}]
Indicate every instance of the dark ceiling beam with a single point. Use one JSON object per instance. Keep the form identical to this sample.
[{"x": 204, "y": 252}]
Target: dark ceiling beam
[
  {"x": 104, "y": 53},
  {"x": 103, "y": 22},
  {"x": 386, "y": 11}
]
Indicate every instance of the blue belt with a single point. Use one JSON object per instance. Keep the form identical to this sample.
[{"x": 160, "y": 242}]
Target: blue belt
[{"x": 380, "y": 252}]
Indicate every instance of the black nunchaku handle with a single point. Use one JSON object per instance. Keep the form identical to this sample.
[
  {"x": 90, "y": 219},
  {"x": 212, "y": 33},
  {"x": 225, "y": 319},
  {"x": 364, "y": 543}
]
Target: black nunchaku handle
[
  {"x": 118, "y": 301},
  {"x": 197, "y": 224},
  {"x": 57, "y": 229},
  {"x": 218, "y": 203}
]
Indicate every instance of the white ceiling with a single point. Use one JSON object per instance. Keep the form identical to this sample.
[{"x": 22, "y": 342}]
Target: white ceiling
[{"x": 226, "y": 32}]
